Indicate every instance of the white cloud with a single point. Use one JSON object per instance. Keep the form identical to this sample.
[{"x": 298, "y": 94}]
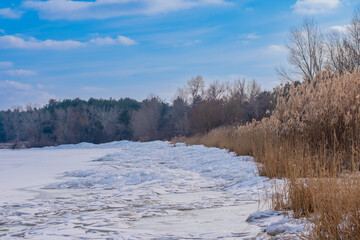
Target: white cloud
[
  {"x": 112, "y": 41},
  {"x": 342, "y": 29},
  {"x": 246, "y": 38},
  {"x": 19, "y": 73},
  {"x": 10, "y": 13},
  {"x": 6, "y": 65},
  {"x": 15, "y": 85},
  {"x": 14, "y": 72},
  {"x": 103, "y": 9},
  {"x": 125, "y": 40},
  {"x": 14, "y": 93},
  {"x": 310, "y": 7},
  {"x": 12, "y": 41}
]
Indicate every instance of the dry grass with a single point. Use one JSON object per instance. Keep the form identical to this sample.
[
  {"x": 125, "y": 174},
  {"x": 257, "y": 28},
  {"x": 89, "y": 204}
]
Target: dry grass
[
  {"x": 337, "y": 204},
  {"x": 312, "y": 139},
  {"x": 224, "y": 137}
]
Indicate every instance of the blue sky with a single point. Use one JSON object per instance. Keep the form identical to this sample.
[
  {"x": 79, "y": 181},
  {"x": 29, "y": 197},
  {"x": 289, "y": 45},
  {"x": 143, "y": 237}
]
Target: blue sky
[{"x": 133, "y": 48}]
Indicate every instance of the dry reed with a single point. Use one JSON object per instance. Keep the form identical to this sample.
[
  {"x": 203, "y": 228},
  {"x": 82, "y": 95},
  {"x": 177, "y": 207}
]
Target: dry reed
[{"x": 312, "y": 139}]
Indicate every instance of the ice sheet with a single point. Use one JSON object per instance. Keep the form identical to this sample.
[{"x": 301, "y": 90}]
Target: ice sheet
[{"x": 130, "y": 190}]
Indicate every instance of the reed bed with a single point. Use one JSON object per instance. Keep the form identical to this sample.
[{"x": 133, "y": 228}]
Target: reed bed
[{"x": 312, "y": 140}]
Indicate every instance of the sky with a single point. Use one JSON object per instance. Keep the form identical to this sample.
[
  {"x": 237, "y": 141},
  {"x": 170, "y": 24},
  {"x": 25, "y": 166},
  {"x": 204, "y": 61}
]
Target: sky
[{"x": 58, "y": 49}]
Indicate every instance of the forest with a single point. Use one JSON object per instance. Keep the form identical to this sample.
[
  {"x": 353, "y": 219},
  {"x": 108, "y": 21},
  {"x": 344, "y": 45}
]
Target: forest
[{"x": 196, "y": 109}]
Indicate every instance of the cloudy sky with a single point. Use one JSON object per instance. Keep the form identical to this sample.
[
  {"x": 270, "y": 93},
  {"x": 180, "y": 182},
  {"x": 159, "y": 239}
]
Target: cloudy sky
[{"x": 133, "y": 48}]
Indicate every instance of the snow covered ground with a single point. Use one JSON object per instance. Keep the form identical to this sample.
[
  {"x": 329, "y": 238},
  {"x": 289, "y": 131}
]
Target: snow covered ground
[{"x": 130, "y": 190}]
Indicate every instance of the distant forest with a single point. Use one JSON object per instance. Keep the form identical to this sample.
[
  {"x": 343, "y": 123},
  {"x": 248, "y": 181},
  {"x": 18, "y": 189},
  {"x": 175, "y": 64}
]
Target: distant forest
[{"x": 197, "y": 109}]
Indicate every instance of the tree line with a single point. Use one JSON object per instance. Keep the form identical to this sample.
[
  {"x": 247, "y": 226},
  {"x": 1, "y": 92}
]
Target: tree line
[{"x": 196, "y": 109}]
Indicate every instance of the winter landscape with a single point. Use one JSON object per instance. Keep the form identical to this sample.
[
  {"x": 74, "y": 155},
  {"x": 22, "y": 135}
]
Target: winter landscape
[
  {"x": 129, "y": 190},
  {"x": 180, "y": 119}
]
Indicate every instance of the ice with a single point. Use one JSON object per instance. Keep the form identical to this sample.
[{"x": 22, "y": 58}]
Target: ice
[
  {"x": 132, "y": 190},
  {"x": 280, "y": 225},
  {"x": 262, "y": 215}
]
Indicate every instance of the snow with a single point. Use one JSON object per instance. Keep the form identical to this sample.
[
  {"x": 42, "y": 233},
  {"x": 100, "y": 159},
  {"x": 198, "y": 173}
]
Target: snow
[
  {"x": 280, "y": 224},
  {"x": 131, "y": 190}
]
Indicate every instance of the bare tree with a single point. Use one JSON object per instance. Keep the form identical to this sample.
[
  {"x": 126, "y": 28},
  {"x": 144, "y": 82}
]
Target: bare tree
[
  {"x": 145, "y": 122},
  {"x": 109, "y": 121},
  {"x": 71, "y": 125},
  {"x": 215, "y": 91},
  {"x": 341, "y": 55},
  {"x": 195, "y": 88},
  {"x": 354, "y": 34},
  {"x": 253, "y": 90},
  {"x": 306, "y": 51},
  {"x": 284, "y": 73},
  {"x": 182, "y": 94},
  {"x": 18, "y": 122},
  {"x": 62, "y": 126},
  {"x": 236, "y": 91},
  {"x": 180, "y": 119}
]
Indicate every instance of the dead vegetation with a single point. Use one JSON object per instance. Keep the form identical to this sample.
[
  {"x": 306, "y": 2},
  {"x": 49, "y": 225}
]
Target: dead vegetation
[{"x": 312, "y": 139}]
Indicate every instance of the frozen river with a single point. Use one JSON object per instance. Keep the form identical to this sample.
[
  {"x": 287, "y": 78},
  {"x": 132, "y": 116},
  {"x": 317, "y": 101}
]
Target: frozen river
[{"x": 128, "y": 190}]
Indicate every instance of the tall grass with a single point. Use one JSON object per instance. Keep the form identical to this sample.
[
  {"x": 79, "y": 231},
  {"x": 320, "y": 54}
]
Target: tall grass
[{"x": 312, "y": 139}]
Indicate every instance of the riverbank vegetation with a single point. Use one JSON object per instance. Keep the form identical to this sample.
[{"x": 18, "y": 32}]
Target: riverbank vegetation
[{"x": 312, "y": 138}]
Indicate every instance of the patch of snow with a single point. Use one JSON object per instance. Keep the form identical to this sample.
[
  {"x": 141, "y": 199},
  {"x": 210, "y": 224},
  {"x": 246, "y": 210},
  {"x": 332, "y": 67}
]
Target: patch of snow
[{"x": 280, "y": 224}]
